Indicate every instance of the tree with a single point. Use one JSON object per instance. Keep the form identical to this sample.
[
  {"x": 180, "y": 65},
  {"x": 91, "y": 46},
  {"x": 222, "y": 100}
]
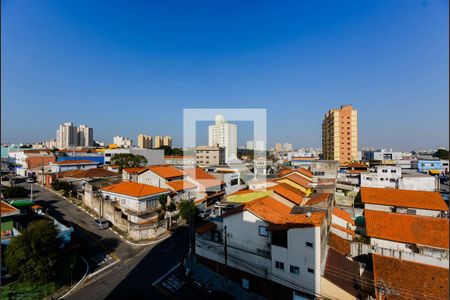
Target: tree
[
  {"x": 162, "y": 202},
  {"x": 15, "y": 192},
  {"x": 441, "y": 154},
  {"x": 187, "y": 208},
  {"x": 29, "y": 255},
  {"x": 128, "y": 160}
]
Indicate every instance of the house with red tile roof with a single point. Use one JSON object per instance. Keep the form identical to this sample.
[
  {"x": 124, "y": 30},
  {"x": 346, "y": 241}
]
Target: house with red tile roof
[
  {"x": 265, "y": 234},
  {"x": 408, "y": 280},
  {"x": 421, "y": 203},
  {"x": 139, "y": 203},
  {"x": 343, "y": 224},
  {"x": 413, "y": 238},
  {"x": 70, "y": 165}
]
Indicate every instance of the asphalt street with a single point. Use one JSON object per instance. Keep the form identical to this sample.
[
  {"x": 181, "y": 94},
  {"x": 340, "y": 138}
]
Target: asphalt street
[{"x": 98, "y": 247}]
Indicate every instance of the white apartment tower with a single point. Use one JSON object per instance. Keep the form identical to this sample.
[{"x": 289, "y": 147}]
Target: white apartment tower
[
  {"x": 122, "y": 142},
  {"x": 85, "y": 136},
  {"x": 224, "y": 135},
  {"x": 66, "y": 136},
  {"x": 145, "y": 141}
]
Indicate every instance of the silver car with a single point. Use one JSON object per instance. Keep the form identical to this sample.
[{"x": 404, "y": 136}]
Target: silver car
[{"x": 101, "y": 223}]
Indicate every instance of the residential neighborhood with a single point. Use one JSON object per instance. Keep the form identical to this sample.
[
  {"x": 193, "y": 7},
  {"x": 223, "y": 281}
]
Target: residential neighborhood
[{"x": 226, "y": 150}]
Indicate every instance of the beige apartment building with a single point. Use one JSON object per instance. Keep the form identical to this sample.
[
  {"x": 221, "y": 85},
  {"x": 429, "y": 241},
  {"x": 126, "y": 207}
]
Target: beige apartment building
[
  {"x": 167, "y": 141},
  {"x": 157, "y": 142},
  {"x": 144, "y": 141},
  {"x": 340, "y": 134},
  {"x": 210, "y": 155}
]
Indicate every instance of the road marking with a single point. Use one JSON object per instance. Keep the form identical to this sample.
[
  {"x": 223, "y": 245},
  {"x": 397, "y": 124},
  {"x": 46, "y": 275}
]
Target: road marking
[
  {"x": 103, "y": 269},
  {"x": 167, "y": 273}
]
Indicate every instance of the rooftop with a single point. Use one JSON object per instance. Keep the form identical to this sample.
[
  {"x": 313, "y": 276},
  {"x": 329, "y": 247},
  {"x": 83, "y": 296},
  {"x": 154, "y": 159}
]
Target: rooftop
[
  {"x": 403, "y": 198},
  {"x": 89, "y": 173},
  {"x": 409, "y": 279},
  {"x": 297, "y": 179},
  {"x": 342, "y": 272},
  {"x": 287, "y": 192},
  {"x": 166, "y": 171},
  {"x": 405, "y": 228},
  {"x": 339, "y": 244},
  {"x": 134, "y": 189},
  {"x": 8, "y": 210},
  {"x": 76, "y": 162},
  {"x": 278, "y": 214},
  {"x": 202, "y": 177},
  {"x": 181, "y": 185},
  {"x": 343, "y": 215}
]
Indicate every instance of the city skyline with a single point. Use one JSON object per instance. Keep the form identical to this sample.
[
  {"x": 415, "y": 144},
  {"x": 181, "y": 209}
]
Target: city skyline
[{"x": 124, "y": 66}]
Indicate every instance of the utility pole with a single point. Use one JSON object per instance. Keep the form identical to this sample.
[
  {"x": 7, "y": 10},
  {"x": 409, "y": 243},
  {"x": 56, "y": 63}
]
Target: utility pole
[
  {"x": 225, "y": 252},
  {"x": 31, "y": 195}
]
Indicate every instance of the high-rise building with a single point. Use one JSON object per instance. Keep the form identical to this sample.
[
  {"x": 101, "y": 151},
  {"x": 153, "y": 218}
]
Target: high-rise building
[
  {"x": 66, "y": 136},
  {"x": 250, "y": 145},
  {"x": 85, "y": 136},
  {"x": 340, "y": 134},
  {"x": 167, "y": 141},
  {"x": 158, "y": 142},
  {"x": 278, "y": 148},
  {"x": 122, "y": 142},
  {"x": 260, "y": 146},
  {"x": 210, "y": 155},
  {"x": 287, "y": 147},
  {"x": 145, "y": 141},
  {"x": 224, "y": 135}
]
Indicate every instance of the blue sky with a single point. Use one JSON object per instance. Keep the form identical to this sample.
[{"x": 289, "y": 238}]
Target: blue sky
[{"x": 126, "y": 67}]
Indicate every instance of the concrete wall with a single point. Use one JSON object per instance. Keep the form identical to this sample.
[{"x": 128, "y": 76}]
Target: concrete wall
[
  {"x": 426, "y": 255},
  {"x": 402, "y": 210}
]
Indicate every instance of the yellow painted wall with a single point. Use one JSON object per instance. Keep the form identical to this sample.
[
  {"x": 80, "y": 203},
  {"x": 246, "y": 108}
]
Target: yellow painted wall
[
  {"x": 297, "y": 186},
  {"x": 332, "y": 291}
]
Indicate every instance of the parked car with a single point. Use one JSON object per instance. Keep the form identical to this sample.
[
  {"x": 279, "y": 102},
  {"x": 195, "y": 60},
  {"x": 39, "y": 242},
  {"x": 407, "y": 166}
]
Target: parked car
[
  {"x": 30, "y": 180},
  {"x": 101, "y": 223}
]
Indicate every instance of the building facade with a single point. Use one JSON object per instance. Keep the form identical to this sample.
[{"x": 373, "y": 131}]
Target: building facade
[
  {"x": 210, "y": 155},
  {"x": 340, "y": 134},
  {"x": 145, "y": 141},
  {"x": 167, "y": 141},
  {"x": 158, "y": 142},
  {"x": 224, "y": 135},
  {"x": 122, "y": 142}
]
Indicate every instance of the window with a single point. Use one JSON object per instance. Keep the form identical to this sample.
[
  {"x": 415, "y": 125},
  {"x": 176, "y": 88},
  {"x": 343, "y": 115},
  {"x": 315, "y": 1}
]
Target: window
[
  {"x": 382, "y": 179},
  {"x": 294, "y": 270},
  {"x": 310, "y": 270},
  {"x": 309, "y": 244},
  {"x": 279, "y": 238},
  {"x": 279, "y": 265},
  {"x": 411, "y": 211},
  {"x": 393, "y": 171},
  {"x": 263, "y": 231},
  {"x": 384, "y": 171},
  {"x": 245, "y": 283}
]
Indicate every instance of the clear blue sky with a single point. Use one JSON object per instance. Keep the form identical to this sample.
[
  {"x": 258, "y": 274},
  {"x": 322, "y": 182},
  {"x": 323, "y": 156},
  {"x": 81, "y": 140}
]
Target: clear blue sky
[{"x": 126, "y": 67}]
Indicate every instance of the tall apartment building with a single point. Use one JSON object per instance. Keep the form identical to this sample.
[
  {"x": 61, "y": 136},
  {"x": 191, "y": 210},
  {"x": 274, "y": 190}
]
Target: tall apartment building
[
  {"x": 278, "y": 148},
  {"x": 70, "y": 136},
  {"x": 210, "y": 155},
  {"x": 287, "y": 147},
  {"x": 224, "y": 135},
  {"x": 340, "y": 134},
  {"x": 122, "y": 142},
  {"x": 167, "y": 141},
  {"x": 250, "y": 145},
  {"x": 158, "y": 142},
  {"x": 66, "y": 136},
  {"x": 145, "y": 141},
  {"x": 85, "y": 136}
]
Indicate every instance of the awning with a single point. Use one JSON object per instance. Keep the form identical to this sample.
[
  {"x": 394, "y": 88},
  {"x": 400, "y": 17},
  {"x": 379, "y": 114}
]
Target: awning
[
  {"x": 22, "y": 203},
  {"x": 434, "y": 172}
]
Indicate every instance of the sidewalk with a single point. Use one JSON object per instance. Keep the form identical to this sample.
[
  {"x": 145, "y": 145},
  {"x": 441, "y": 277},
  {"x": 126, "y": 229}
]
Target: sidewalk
[{"x": 210, "y": 280}]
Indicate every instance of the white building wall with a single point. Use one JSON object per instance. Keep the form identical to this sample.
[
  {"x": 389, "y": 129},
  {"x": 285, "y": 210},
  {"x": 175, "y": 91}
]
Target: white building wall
[
  {"x": 422, "y": 183},
  {"x": 403, "y": 210},
  {"x": 427, "y": 255}
]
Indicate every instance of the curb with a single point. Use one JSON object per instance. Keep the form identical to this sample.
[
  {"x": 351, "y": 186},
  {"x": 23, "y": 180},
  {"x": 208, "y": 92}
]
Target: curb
[{"x": 79, "y": 282}]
